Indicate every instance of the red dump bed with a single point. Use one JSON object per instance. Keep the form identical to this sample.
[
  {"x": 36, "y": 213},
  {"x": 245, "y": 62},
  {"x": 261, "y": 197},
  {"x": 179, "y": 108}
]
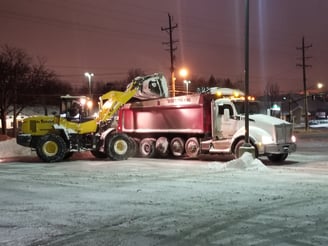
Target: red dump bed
[{"x": 182, "y": 114}]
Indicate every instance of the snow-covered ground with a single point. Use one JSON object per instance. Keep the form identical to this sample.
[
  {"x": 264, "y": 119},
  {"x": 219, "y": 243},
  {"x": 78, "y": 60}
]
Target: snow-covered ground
[{"x": 158, "y": 202}]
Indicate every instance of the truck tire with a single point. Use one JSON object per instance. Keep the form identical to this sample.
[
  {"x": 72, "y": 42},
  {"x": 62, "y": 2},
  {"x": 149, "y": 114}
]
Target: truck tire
[
  {"x": 162, "y": 146},
  {"x": 239, "y": 144},
  {"x": 177, "y": 146},
  {"x": 118, "y": 146},
  {"x": 277, "y": 157},
  {"x": 192, "y": 147},
  {"x": 51, "y": 148},
  {"x": 147, "y": 148}
]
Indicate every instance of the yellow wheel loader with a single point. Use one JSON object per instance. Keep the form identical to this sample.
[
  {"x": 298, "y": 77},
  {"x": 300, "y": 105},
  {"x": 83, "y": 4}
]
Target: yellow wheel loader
[{"x": 77, "y": 129}]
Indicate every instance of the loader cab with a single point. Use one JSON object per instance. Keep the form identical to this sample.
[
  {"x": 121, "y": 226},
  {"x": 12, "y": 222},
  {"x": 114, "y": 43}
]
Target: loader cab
[{"x": 75, "y": 108}]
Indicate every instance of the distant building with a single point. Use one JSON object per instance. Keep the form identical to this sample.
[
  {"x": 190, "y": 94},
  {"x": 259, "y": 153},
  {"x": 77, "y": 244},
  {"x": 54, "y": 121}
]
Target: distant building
[{"x": 292, "y": 106}]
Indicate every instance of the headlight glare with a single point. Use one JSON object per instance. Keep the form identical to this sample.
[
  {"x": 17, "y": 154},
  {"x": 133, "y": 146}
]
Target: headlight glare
[{"x": 267, "y": 140}]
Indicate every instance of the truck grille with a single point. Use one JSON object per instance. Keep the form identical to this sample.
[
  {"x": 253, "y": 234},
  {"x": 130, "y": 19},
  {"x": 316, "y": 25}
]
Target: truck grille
[{"x": 283, "y": 133}]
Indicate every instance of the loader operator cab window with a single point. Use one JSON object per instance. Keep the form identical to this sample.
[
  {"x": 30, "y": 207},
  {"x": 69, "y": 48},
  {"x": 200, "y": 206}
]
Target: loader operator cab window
[
  {"x": 75, "y": 111},
  {"x": 71, "y": 109}
]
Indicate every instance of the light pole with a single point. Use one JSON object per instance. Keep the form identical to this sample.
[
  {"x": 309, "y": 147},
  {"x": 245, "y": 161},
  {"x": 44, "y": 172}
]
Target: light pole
[
  {"x": 187, "y": 82},
  {"x": 247, "y": 146},
  {"x": 89, "y": 75},
  {"x": 183, "y": 72}
]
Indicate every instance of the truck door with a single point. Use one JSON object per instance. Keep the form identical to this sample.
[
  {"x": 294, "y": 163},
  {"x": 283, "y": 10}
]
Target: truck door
[{"x": 226, "y": 120}]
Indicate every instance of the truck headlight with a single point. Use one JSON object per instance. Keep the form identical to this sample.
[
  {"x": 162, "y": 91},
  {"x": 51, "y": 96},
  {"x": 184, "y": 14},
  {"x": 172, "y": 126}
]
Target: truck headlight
[
  {"x": 266, "y": 139},
  {"x": 293, "y": 138}
]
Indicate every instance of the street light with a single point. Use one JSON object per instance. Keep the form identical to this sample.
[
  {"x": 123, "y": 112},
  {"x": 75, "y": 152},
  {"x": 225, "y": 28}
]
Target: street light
[
  {"x": 319, "y": 85},
  {"x": 187, "y": 82},
  {"x": 89, "y": 75},
  {"x": 184, "y": 73}
]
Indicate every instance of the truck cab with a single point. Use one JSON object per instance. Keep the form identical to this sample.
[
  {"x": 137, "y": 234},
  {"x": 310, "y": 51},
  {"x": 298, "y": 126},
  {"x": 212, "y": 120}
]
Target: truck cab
[{"x": 270, "y": 136}]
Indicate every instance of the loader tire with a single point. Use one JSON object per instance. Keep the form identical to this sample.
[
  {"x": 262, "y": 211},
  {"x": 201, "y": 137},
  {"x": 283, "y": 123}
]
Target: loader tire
[
  {"x": 98, "y": 154},
  {"x": 134, "y": 147},
  {"x": 68, "y": 155},
  {"x": 51, "y": 148},
  {"x": 118, "y": 146}
]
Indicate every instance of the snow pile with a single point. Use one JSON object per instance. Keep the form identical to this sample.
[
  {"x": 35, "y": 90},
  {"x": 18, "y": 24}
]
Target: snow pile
[
  {"x": 245, "y": 162},
  {"x": 9, "y": 148}
]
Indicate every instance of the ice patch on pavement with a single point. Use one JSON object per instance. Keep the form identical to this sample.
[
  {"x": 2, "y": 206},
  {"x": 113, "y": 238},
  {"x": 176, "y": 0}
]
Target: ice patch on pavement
[{"x": 245, "y": 162}]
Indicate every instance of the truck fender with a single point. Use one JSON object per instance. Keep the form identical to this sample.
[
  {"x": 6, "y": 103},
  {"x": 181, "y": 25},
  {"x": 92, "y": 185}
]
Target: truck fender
[{"x": 256, "y": 135}]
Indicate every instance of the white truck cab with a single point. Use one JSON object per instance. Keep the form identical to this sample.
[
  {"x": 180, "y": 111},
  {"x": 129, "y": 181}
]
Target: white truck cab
[{"x": 269, "y": 135}]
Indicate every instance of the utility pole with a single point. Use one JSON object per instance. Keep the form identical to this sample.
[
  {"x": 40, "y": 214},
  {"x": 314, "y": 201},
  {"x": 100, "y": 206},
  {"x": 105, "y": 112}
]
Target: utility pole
[
  {"x": 169, "y": 30},
  {"x": 304, "y": 66},
  {"x": 246, "y": 72},
  {"x": 247, "y": 146}
]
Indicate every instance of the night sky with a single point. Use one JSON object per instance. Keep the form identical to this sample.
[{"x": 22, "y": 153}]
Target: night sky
[{"x": 109, "y": 38}]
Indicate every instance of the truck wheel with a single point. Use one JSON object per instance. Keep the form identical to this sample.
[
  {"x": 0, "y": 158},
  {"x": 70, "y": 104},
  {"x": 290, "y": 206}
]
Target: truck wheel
[
  {"x": 277, "y": 157},
  {"x": 118, "y": 146},
  {"x": 192, "y": 147},
  {"x": 162, "y": 146},
  {"x": 147, "y": 148},
  {"x": 241, "y": 142},
  {"x": 177, "y": 146},
  {"x": 51, "y": 148}
]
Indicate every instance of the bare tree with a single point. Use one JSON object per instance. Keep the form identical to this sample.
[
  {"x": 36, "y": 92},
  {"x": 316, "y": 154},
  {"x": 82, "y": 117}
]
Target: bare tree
[
  {"x": 132, "y": 73},
  {"x": 212, "y": 82},
  {"x": 14, "y": 70},
  {"x": 22, "y": 83}
]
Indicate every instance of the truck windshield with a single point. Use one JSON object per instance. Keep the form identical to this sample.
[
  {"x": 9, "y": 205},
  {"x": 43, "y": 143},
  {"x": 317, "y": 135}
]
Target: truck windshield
[{"x": 254, "y": 107}]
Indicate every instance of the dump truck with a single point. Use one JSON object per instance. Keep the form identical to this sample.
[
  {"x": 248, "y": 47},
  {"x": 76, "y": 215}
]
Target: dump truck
[
  {"x": 77, "y": 128},
  {"x": 210, "y": 123}
]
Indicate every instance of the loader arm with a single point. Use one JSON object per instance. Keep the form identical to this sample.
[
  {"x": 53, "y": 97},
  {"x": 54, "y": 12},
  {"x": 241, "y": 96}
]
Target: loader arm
[{"x": 111, "y": 102}]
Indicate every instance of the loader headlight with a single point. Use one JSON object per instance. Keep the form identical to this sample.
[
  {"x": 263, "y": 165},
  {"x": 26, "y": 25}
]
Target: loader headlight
[{"x": 267, "y": 140}]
